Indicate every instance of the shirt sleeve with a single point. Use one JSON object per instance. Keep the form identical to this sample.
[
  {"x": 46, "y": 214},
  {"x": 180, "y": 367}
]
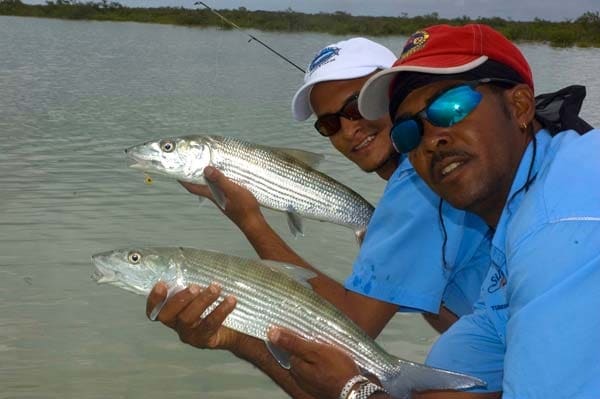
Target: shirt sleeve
[
  {"x": 553, "y": 292},
  {"x": 400, "y": 259},
  {"x": 471, "y": 346}
]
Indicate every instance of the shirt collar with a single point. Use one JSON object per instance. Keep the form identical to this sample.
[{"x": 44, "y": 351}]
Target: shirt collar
[{"x": 532, "y": 160}]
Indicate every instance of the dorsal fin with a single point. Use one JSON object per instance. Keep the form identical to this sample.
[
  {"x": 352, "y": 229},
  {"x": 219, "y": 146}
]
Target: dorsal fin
[
  {"x": 312, "y": 159},
  {"x": 300, "y": 274}
]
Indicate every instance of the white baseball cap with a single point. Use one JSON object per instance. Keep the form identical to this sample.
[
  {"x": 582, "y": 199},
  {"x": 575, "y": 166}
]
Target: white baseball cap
[{"x": 347, "y": 59}]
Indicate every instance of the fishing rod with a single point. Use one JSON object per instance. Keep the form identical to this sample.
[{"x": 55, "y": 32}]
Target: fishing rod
[{"x": 251, "y": 37}]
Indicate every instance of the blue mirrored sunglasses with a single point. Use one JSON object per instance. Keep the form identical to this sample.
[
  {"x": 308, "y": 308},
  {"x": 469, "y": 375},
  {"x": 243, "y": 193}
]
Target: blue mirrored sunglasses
[{"x": 447, "y": 108}]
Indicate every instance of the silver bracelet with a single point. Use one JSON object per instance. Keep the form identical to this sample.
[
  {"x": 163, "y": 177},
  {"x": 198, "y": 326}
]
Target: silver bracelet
[
  {"x": 365, "y": 390},
  {"x": 351, "y": 383}
]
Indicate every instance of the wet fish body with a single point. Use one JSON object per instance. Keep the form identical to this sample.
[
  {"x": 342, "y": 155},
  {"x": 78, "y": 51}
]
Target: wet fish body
[
  {"x": 280, "y": 179},
  {"x": 270, "y": 294}
]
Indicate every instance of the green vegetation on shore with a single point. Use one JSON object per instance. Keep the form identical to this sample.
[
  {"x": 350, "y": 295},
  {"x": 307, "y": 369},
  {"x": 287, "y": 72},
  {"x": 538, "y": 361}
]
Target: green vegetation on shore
[{"x": 583, "y": 31}]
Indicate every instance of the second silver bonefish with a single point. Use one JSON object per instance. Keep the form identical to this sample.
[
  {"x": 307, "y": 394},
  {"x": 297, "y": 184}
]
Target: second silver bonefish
[{"x": 280, "y": 179}]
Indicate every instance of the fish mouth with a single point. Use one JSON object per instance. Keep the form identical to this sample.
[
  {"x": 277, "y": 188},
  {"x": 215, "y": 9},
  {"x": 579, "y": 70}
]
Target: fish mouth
[
  {"x": 139, "y": 160},
  {"x": 136, "y": 162},
  {"x": 101, "y": 273},
  {"x": 143, "y": 165},
  {"x": 103, "y": 276}
]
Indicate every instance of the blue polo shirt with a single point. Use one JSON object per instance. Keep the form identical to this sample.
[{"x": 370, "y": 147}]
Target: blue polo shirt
[
  {"x": 535, "y": 331},
  {"x": 400, "y": 260}
]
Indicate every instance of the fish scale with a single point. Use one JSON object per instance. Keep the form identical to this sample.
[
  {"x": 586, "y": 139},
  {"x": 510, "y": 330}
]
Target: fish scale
[
  {"x": 314, "y": 193},
  {"x": 269, "y": 295},
  {"x": 265, "y": 305}
]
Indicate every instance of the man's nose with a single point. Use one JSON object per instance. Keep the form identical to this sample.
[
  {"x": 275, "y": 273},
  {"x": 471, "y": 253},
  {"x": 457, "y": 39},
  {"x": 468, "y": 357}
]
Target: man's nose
[
  {"x": 435, "y": 137},
  {"x": 350, "y": 127}
]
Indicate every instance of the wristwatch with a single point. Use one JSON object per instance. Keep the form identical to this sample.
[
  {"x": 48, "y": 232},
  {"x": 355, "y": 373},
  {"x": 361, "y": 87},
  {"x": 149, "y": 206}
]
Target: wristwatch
[
  {"x": 365, "y": 390},
  {"x": 347, "y": 389}
]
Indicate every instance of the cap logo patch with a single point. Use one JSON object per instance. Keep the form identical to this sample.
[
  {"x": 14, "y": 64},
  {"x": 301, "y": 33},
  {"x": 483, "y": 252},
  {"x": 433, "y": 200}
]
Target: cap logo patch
[
  {"x": 323, "y": 57},
  {"x": 414, "y": 43}
]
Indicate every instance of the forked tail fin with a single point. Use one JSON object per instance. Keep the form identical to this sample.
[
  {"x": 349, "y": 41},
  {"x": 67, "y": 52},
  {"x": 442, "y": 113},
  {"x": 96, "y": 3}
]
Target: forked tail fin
[{"x": 408, "y": 377}]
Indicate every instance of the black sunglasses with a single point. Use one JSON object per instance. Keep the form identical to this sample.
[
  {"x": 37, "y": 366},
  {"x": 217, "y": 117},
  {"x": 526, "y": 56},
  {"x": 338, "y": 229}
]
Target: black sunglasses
[{"x": 330, "y": 124}]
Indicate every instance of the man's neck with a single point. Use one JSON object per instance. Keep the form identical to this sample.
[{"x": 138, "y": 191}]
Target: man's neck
[
  {"x": 386, "y": 170},
  {"x": 493, "y": 211}
]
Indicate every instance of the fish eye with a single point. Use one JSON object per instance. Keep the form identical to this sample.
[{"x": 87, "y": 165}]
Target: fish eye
[
  {"x": 167, "y": 146},
  {"x": 134, "y": 257}
]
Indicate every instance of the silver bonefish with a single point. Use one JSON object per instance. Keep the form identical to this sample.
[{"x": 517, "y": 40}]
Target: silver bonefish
[
  {"x": 280, "y": 179},
  {"x": 269, "y": 294}
]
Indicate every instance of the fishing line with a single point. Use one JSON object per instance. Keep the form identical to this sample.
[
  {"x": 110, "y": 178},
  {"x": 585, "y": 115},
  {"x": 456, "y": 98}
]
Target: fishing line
[
  {"x": 251, "y": 36},
  {"x": 218, "y": 71}
]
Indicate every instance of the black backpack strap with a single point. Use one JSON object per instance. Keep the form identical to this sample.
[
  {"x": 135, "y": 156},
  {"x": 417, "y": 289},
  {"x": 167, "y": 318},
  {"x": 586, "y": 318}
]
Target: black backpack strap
[{"x": 559, "y": 110}]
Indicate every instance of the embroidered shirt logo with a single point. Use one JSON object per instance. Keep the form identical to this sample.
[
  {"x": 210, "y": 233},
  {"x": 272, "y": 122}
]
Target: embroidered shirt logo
[
  {"x": 497, "y": 281},
  {"x": 323, "y": 57},
  {"x": 414, "y": 43}
]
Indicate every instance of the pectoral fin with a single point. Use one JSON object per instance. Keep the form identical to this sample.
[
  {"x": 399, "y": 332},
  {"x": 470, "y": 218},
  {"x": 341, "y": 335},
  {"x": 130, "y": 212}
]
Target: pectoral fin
[
  {"x": 217, "y": 194},
  {"x": 282, "y": 357},
  {"x": 172, "y": 290},
  {"x": 294, "y": 222}
]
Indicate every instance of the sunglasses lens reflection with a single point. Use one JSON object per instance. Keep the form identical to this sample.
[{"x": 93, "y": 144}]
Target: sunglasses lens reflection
[
  {"x": 406, "y": 135},
  {"x": 453, "y": 106}
]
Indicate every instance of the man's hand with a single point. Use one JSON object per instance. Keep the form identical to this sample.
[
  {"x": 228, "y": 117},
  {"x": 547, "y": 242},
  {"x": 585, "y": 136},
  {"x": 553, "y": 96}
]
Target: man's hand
[
  {"x": 319, "y": 369},
  {"x": 241, "y": 207},
  {"x": 182, "y": 313}
]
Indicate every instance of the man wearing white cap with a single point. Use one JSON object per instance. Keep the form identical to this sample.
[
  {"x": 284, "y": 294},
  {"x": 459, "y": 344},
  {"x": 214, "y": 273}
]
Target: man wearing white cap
[{"x": 333, "y": 69}]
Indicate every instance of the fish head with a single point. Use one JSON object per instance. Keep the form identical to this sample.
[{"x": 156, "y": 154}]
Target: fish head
[
  {"x": 183, "y": 158},
  {"x": 136, "y": 269}
]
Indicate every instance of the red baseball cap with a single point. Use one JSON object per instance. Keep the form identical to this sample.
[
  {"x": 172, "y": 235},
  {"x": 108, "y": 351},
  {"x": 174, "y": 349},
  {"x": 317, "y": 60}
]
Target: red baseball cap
[{"x": 440, "y": 50}]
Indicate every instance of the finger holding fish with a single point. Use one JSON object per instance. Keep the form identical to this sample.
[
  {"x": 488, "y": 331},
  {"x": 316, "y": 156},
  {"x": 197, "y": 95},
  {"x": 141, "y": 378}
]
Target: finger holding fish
[
  {"x": 318, "y": 368},
  {"x": 207, "y": 332},
  {"x": 170, "y": 307},
  {"x": 183, "y": 313},
  {"x": 200, "y": 190},
  {"x": 241, "y": 207}
]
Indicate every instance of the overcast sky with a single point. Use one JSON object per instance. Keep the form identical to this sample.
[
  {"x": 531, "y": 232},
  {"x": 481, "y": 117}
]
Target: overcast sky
[{"x": 519, "y": 10}]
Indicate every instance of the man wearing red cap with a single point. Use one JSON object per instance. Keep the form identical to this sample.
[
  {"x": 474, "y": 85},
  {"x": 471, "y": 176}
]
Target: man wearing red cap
[{"x": 463, "y": 107}]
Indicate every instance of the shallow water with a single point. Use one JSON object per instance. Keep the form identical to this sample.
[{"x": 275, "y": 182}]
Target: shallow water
[{"x": 73, "y": 95}]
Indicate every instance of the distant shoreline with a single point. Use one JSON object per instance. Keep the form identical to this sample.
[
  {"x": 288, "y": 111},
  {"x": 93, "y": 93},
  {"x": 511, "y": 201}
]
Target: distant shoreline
[{"x": 581, "y": 32}]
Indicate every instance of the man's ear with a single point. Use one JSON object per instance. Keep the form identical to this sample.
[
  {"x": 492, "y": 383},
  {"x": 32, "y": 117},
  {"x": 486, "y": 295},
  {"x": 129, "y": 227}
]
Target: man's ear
[{"x": 523, "y": 104}]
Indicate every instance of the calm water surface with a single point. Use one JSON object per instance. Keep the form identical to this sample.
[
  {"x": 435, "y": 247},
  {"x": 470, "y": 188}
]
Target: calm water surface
[{"x": 73, "y": 95}]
